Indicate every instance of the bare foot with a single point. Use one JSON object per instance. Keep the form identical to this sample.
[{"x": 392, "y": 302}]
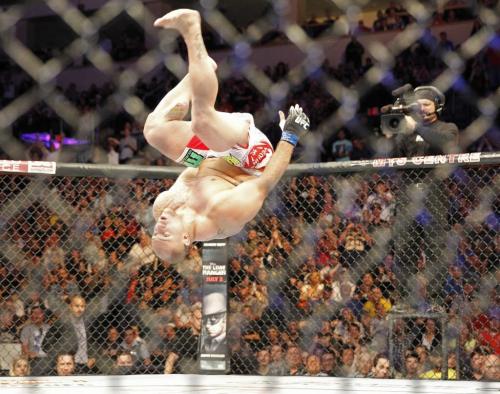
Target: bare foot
[
  {"x": 178, "y": 111},
  {"x": 180, "y": 20}
]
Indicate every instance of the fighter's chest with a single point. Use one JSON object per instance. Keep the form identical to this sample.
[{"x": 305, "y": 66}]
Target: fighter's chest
[{"x": 198, "y": 193}]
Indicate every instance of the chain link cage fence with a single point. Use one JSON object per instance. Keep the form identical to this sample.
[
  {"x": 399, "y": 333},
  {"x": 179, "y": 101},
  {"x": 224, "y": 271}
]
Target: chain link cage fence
[{"x": 374, "y": 269}]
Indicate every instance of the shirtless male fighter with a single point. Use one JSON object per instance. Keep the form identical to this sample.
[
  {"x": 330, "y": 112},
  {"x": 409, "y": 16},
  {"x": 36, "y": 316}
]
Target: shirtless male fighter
[{"x": 232, "y": 167}]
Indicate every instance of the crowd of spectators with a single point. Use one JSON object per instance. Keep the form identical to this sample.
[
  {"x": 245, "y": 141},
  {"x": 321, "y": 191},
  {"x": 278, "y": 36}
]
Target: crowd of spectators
[
  {"x": 419, "y": 64},
  {"x": 312, "y": 283},
  {"x": 312, "y": 280}
]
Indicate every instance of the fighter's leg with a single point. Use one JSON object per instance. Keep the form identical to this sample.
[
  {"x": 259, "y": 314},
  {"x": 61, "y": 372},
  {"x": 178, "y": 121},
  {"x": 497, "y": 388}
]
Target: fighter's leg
[
  {"x": 217, "y": 132},
  {"x": 164, "y": 128}
]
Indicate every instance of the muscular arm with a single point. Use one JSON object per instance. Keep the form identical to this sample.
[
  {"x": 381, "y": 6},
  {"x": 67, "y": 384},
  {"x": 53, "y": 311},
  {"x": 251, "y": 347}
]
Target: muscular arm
[
  {"x": 232, "y": 209},
  {"x": 276, "y": 168},
  {"x": 240, "y": 205}
]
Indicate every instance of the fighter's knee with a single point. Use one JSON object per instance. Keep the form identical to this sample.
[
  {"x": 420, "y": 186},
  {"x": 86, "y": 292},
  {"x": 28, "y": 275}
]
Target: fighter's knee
[
  {"x": 149, "y": 127},
  {"x": 154, "y": 129}
]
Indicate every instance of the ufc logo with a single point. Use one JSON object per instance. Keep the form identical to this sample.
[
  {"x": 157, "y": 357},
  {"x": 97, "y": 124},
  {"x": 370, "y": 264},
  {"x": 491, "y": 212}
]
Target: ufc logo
[{"x": 302, "y": 122}]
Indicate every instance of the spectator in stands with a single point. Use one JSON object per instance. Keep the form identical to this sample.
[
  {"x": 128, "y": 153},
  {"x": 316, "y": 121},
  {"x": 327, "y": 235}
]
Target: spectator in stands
[
  {"x": 380, "y": 24},
  {"x": 192, "y": 263},
  {"x": 8, "y": 332},
  {"x": 381, "y": 367},
  {"x": 423, "y": 358},
  {"x": 70, "y": 333},
  {"x": 127, "y": 144},
  {"x": 412, "y": 367},
  {"x": 361, "y": 28},
  {"x": 360, "y": 150},
  {"x": 364, "y": 364},
  {"x": 376, "y": 301},
  {"x": 467, "y": 342},
  {"x": 293, "y": 334},
  {"x": 329, "y": 364},
  {"x": 32, "y": 336},
  {"x": 489, "y": 335},
  {"x": 313, "y": 366},
  {"x": 491, "y": 367},
  {"x": 341, "y": 149},
  {"x": 453, "y": 285},
  {"x": 53, "y": 254},
  {"x": 384, "y": 199},
  {"x": 20, "y": 367},
  {"x": 264, "y": 359},
  {"x": 354, "y": 241},
  {"x": 123, "y": 364},
  {"x": 353, "y": 53},
  {"x": 476, "y": 364},
  {"x": 277, "y": 366},
  {"x": 251, "y": 242},
  {"x": 341, "y": 330},
  {"x": 37, "y": 151},
  {"x": 436, "y": 369},
  {"x": 347, "y": 367},
  {"x": 444, "y": 44},
  {"x": 65, "y": 364},
  {"x": 429, "y": 336},
  {"x": 141, "y": 252},
  {"x": 311, "y": 291},
  {"x": 136, "y": 346},
  {"x": 111, "y": 347},
  {"x": 294, "y": 361}
]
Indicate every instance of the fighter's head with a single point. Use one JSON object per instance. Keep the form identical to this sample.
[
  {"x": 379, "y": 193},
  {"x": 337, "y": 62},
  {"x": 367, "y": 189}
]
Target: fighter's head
[{"x": 171, "y": 238}]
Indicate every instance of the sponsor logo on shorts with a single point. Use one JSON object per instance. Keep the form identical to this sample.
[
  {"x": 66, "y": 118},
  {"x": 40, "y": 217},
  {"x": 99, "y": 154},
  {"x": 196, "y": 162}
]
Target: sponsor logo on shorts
[
  {"x": 258, "y": 154},
  {"x": 192, "y": 158},
  {"x": 234, "y": 161}
]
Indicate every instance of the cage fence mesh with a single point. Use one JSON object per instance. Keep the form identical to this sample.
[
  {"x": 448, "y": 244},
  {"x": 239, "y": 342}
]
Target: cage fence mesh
[
  {"x": 322, "y": 273},
  {"x": 335, "y": 270}
]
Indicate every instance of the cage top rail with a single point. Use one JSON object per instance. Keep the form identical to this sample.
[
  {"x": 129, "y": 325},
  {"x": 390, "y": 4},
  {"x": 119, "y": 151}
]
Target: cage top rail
[{"x": 137, "y": 171}]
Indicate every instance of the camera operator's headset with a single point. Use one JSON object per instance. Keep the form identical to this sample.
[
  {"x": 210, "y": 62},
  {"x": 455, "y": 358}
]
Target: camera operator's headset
[{"x": 438, "y": 97}]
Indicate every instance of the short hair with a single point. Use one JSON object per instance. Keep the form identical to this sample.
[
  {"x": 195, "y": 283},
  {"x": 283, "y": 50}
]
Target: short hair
[
  {"x": 74, "y": 297},
  {"x": 380, "y": 356},
  {"x": 59, "y": 355},
  {"x": 411, "y": 354},
  {"x": 481, "y": 351}
]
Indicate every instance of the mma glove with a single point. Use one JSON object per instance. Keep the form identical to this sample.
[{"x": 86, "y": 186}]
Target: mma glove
[{"x": 295, "y": 125}]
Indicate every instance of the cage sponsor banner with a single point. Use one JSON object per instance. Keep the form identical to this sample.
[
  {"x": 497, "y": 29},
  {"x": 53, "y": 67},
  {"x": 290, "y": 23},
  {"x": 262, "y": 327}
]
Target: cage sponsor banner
[
  {"x": 213, "y": 350},
  {"x": 474, "y": 157},
  {"x": 28, "y": 167}
]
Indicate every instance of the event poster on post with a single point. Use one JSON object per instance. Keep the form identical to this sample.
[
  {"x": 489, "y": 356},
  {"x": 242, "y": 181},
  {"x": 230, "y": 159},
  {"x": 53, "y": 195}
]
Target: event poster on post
[{"x": 213, "y": 349}]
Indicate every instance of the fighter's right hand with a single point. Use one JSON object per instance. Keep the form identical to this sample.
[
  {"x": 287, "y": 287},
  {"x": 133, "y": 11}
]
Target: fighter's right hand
[{"x": 295, "y": 125}]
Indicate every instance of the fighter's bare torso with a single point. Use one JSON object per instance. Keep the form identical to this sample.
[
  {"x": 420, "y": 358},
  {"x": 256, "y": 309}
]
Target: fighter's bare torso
[{"x": 194, "y": 193}]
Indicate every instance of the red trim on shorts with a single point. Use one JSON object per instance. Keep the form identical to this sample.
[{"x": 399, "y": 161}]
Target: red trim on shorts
[{"x": 197, "y": 143}]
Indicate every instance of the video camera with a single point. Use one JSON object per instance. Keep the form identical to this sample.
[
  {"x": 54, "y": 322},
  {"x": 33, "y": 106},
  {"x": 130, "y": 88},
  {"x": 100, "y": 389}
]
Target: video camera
[{"x": 393, "y": 119}]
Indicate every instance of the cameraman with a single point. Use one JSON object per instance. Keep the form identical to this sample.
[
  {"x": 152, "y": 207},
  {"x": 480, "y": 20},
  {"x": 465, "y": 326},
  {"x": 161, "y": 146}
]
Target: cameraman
[{"x": 424, "y": 133}]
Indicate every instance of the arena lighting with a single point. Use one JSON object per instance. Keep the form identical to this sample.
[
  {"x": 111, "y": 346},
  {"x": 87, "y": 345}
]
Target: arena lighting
[{"x": 47, "y": 139}]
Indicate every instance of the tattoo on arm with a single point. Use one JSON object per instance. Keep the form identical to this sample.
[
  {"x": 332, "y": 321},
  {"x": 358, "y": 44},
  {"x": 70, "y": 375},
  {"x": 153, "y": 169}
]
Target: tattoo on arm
[{"x": 200, "y": 47}]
